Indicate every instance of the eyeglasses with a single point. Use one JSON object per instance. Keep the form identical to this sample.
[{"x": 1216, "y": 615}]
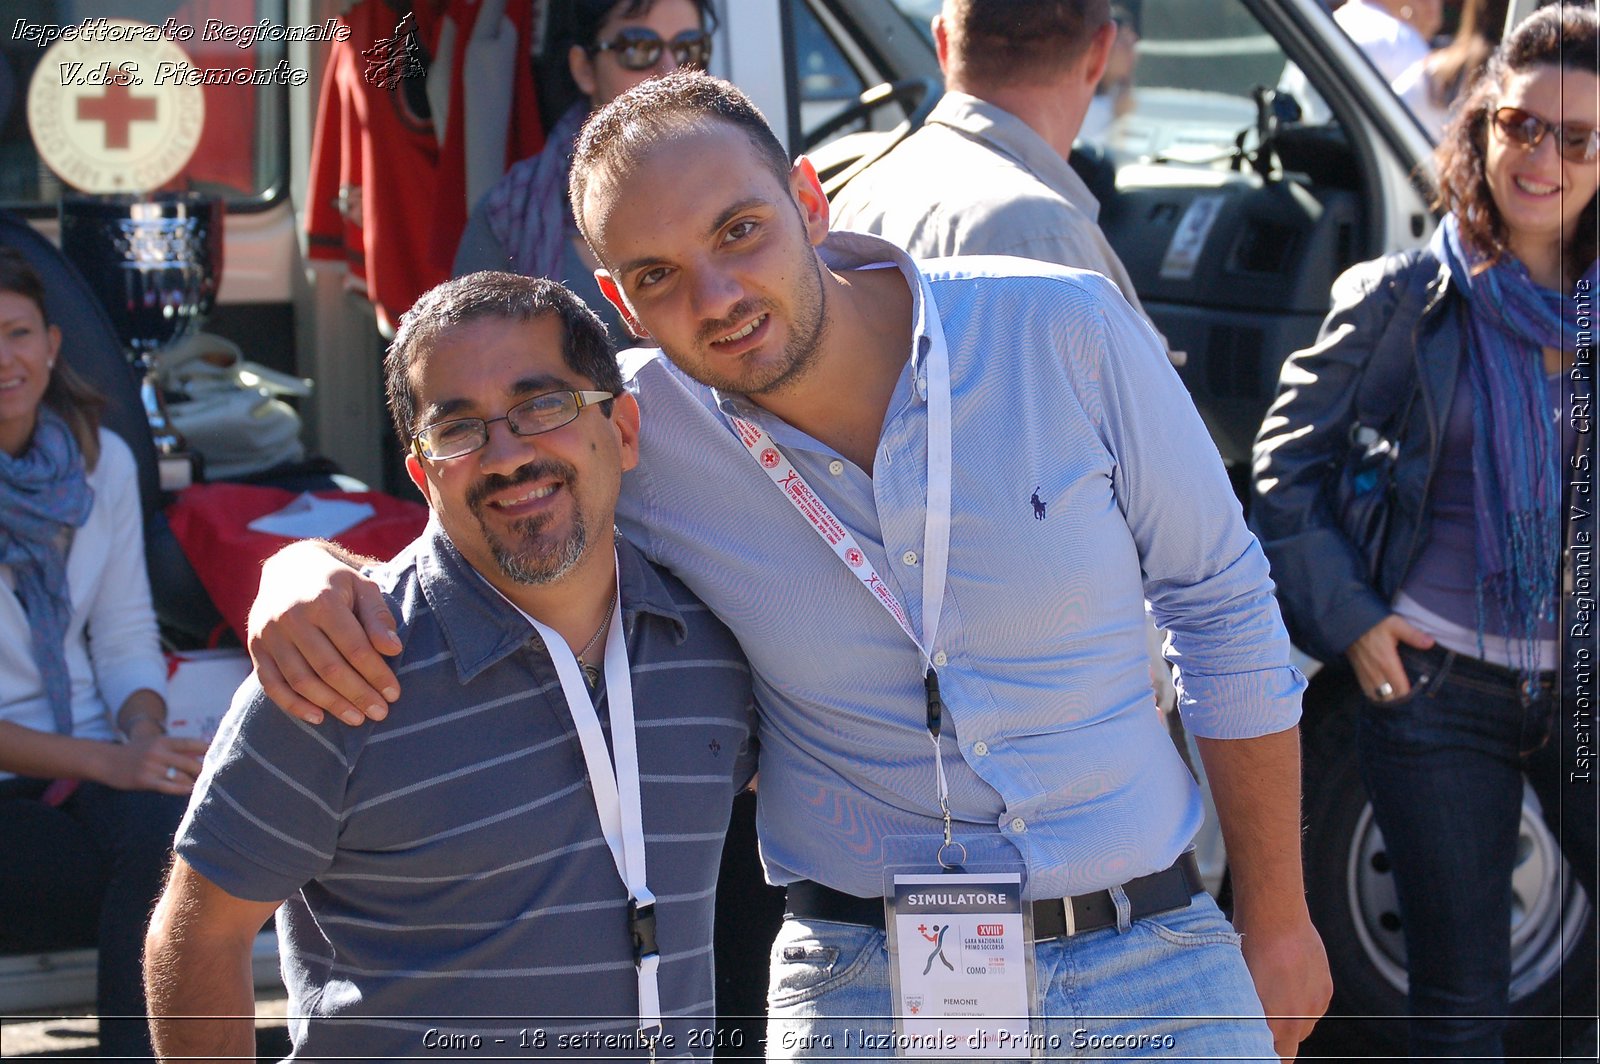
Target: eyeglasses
[
  {"x": 1575, "y": 142},
  {"x": 543, "y": 413},
  {"x": 637, "y": 48}
]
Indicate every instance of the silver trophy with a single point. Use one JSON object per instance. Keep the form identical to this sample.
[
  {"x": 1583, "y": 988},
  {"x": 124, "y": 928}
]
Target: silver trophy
[{"x": 155, "y": 262}]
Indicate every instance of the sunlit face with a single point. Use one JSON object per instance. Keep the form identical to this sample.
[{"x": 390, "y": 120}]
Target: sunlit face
[
  {"x": 27, "y": 354},
  {"x": 523, "y": 509},
  {"x": 601, "y": 77},
  {"x": 1539, "y": 194},
  {"x": 714, "y": 258}
]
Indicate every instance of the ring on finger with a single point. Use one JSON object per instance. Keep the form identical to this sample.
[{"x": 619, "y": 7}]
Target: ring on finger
[
  {"x": 1385, "y": 691},
  {"x": 171, "y": 773}
]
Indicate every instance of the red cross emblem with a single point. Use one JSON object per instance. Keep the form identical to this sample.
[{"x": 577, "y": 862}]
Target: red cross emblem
[
  {"x": 118, "y": 109},
  {"x": 854, "y": 557},
  {"x": 769, "y": 458}
]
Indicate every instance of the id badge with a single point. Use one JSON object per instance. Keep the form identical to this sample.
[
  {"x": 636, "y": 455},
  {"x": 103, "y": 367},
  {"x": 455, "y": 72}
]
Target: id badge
[{"x": 960, "y": 962}]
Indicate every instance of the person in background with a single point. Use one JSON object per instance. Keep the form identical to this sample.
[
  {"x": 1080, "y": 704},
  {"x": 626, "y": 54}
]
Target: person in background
[
  {"x": 524, "y": 223},
  {"x": 1393, "y": 34},
  {"x": 1431, "y": 87},
  {"x": 1454, "y": 354},
  {"x": 91, "y": 786},
  {"x": 987, "y": 173},
  {"x": 1113, "y": 96}
]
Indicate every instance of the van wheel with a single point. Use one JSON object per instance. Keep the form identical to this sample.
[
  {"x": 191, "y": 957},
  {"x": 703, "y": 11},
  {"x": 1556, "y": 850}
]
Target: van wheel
[{"x": 1353, "y": 903}]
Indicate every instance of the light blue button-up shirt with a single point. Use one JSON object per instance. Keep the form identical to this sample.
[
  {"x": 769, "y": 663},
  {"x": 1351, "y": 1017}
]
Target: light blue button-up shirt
[{"x": 1051, "y": 737}]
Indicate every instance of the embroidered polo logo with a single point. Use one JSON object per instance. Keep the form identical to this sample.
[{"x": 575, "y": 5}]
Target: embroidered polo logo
[
  {"x": 715, "y": 748},
  {"x": 1038, "y": 505}
]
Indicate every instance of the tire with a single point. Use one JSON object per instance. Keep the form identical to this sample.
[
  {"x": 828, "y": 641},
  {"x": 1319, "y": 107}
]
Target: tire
[{"x": 1352, "y": 899}]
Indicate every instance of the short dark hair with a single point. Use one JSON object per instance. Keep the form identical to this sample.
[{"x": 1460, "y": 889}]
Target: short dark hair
[
  {"x": 587, "y": 16},
  {"x": 1006, "y": 42},
  {"x": 68, "y": 394},
  {"x": 655, "y": 110},
  {"x": 1561, "y": 35},
  {"x": 586, "y": 346}
]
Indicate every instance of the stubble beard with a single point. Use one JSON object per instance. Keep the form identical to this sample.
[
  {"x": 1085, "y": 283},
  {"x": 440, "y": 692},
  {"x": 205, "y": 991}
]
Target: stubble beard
[{"x": 809, "y": 321}]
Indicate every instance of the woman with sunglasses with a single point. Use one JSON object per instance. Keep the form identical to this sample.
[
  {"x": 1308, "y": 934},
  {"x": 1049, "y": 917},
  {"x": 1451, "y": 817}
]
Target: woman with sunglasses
[
  {"x": 524, "y": 223},
  {"x": 91, "y": 787},
  {"x": 1444, "y": 368}
]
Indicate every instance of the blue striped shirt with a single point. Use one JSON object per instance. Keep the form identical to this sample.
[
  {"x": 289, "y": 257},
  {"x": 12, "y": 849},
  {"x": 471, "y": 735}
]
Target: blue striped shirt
[
  {"x": 1051, "y": 739},
  {"x": 448, "y": 861}
]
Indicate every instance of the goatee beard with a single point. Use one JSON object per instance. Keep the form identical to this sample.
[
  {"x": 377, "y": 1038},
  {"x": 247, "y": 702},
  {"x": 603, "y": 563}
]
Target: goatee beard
[{"x": 527, "y": 561}]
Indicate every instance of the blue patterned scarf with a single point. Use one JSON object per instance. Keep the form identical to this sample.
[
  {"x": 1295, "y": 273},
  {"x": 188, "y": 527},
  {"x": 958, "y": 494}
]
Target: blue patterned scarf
[
  {"x": 1516, "y": 445},
  {"x": 43, "y": 492},
  {"x": 528, "y": 208}
]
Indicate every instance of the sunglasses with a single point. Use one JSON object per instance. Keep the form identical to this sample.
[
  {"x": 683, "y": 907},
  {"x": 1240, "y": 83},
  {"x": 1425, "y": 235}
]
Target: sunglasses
[
  {"x": 1576, "y": 143},
  {"x": 637, "y": 48}
]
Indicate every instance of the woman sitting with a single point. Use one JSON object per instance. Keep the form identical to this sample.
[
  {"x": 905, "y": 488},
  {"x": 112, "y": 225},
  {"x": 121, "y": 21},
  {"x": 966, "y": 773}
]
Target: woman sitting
[
  {"x": 1454, "y": 358},
  {"x": 91, "y": 787}
]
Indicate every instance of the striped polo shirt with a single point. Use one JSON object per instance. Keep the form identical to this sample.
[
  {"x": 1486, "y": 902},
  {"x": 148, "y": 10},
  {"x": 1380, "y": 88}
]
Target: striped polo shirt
[{"x": 443, "y": 871}]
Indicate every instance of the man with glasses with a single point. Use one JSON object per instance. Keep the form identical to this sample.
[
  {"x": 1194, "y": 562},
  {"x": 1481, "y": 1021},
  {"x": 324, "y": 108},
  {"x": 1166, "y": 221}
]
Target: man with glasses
[
  {"x": 470, "y": 856},
  {"x": 524, "y": 224}
]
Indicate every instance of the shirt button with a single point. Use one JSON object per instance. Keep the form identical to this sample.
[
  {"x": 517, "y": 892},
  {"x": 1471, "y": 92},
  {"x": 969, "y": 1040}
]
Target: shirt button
[
  {"x": 940, "y": 659},
  {"x": 909, "y": 557},
  {"x": 1018, "y": 825},
  {"x": 836, "y": 467},
  {"x": 980, "y": 748}
]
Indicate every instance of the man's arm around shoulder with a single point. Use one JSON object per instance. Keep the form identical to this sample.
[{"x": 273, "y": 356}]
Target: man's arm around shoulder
[{"x": 197, "y": 969}]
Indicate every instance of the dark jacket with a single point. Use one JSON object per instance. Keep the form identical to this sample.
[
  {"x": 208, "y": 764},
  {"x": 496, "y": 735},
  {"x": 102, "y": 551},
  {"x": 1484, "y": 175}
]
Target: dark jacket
[{"x": 1387, "y": 358}]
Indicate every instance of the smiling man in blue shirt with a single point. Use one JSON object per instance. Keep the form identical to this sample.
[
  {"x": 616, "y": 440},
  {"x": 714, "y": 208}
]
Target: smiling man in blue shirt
[{"x": 839, "y": 370}]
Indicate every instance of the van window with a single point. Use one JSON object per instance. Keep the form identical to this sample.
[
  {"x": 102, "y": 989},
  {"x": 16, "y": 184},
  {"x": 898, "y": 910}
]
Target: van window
[{"x": 241, "y": 153}]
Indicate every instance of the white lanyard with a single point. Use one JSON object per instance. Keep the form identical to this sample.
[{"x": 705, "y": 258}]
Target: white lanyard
[
  {"x": 616, "y": 790},
  {"x": 936, "y": 525}
]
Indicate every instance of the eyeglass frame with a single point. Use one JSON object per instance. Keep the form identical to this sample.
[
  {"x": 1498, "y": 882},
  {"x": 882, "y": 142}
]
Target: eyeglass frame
[
  {"x": 1543, "y": 127},
  {"x": 678, "y": 45},
  {"x": 584, "y": 399}
]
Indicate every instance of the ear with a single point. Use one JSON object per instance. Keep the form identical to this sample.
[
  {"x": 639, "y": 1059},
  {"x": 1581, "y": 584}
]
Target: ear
[
  {"x": 807, "y": 190},
  {"x": 1098, "y": 53},
  {"x": 582, "y": 69},
  {"x": 625, "y": 416},
  {"x": 53, "y": 335},
  {"x": 941, "y": 44},
  {"x": 613, "y": 294},
  {"x": 418, "y": 477}
]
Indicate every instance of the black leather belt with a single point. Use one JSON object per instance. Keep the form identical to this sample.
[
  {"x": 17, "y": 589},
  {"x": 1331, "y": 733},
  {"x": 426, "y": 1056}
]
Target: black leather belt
[{"x": 1158, "y": 892}]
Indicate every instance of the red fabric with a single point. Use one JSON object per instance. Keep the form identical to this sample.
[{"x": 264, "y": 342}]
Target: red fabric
[
  {"x": 210, "y": 522},
  {"x": 525, "y": 136},
  {"x": 385, "y": 197},
  {"x": 373, "y": 167}
]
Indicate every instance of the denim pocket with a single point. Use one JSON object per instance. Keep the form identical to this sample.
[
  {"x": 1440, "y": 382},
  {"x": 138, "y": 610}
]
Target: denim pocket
[
  {"x": 1201, "y": 923},
  {"x": 810, "y": 958}
]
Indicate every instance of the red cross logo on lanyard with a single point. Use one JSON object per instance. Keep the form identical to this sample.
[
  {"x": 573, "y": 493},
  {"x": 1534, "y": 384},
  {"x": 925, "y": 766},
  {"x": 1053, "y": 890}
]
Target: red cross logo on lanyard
[{"x": 118, "y": 109}]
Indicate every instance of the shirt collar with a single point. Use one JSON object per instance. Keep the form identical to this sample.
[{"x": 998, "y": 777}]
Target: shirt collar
[
  {"x": 481, "y": 628},
  {"x": 1010, "y": 135},
  {"x": 843, "y": 251}
]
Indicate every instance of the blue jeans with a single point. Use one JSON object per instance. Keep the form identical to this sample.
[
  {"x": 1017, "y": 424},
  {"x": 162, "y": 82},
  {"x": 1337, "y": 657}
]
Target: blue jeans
[
  {"x": 1172, "y": 986},
  {"x": 87, "y": 873},
  {"x": 1444, "y": 768}
]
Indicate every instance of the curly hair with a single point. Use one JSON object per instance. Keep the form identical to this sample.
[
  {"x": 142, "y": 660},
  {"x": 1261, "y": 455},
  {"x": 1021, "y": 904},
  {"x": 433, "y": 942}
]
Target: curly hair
[
  {"x": 1561, "y": 35},
  {"x": 68, "y": 394}
]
